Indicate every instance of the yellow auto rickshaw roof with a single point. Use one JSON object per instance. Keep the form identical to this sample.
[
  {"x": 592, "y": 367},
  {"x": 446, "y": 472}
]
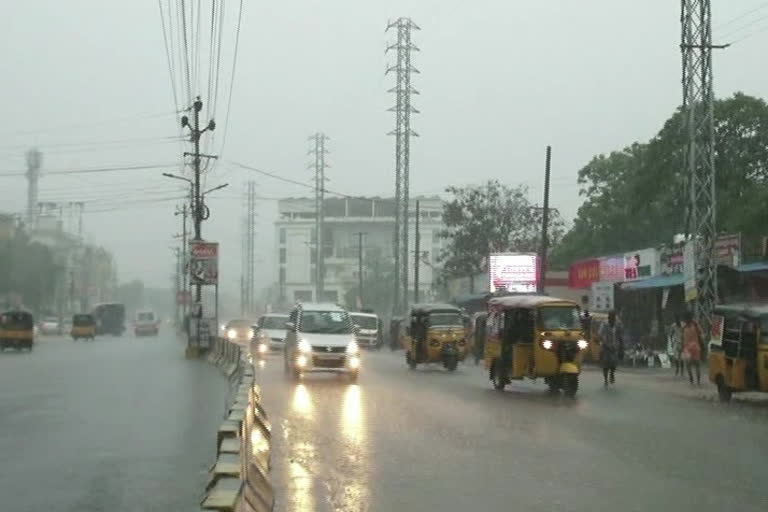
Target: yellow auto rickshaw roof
[{"x": 527, "y": 301}]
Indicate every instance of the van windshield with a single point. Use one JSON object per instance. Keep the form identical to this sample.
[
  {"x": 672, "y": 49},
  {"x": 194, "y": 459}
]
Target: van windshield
[
  {"x": 146, "y": 317},
  {"x": 325, "y": 322},
  {"x": 559, "y": 318}
]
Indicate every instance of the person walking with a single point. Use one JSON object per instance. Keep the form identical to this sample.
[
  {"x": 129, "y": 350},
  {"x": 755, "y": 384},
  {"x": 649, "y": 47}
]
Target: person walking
[
  {"x": 691, "y": 336},
  {"x": 676, "y": 346},
  {"x": 609, "y": 348}
]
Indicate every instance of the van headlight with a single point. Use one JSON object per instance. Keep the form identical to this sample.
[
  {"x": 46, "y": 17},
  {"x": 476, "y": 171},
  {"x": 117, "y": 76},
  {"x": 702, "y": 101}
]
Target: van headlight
[
  {"x": 231, "y": 334},
  {"x": 582, "y": 344},
  {"x": 304, "y": 346},
  {"x": 353, "y": 348}
]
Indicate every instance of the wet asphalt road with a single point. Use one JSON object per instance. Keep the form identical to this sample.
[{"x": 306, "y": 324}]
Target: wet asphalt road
[
  {"x": 405, "y": 440},
  {"x": 118, "y": 424}
]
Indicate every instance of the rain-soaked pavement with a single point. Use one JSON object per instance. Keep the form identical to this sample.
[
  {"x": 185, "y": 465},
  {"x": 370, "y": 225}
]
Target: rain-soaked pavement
[
  {"x": 117, "y": 424},
  {"x": 419, "y": 440}
]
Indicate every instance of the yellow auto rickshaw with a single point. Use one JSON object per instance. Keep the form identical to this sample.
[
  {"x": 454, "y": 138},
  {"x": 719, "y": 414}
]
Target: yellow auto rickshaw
[
  {"x": 435, "y": 334},
  {"x": 83, "y": 327},
  {"x": 17, "y": 330},
  {"x": 738, "y": 349},
  {"x": 535, "y": 336}
]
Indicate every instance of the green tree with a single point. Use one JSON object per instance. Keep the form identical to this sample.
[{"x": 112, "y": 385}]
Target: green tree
[
  {"x": 638, "y": 197},
  {"x": 492, "y": 217},
  {"x": 378, "y": 293},
  {"x": 28, "y": 271}
]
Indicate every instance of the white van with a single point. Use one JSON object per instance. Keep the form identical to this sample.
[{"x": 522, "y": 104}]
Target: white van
[{"x": 146, "y": 324}]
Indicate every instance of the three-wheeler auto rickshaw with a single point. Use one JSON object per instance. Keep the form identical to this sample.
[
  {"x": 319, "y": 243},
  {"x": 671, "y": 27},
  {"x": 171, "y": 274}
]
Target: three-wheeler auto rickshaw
[
  {"x": 435, "y": 334},
  {"x": 83, "y": 327},
  {"x": 17, "y": 330},
  {"x": 534, "y": 336},
  {"x": 738, "y": 349}
]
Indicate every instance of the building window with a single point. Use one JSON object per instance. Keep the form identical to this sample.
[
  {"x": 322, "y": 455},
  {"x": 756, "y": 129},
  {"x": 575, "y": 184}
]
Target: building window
[
  {"x": 282, "y": 275},
  {"x": 282, "y": 255},
  {"x": 282, "y": 235},
  {"x": 313, "y": 255},
  {"x": 302, "y": 296},
  {"x": 313, "y": 236},
  {"x": 436, "y": 237}
]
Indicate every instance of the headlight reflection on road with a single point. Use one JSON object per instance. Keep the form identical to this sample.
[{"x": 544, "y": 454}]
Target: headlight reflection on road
[
  {"x": 352, "y": 419},
  {"x": 302, "y": 402},
  {"x": 300, "y": 494}
]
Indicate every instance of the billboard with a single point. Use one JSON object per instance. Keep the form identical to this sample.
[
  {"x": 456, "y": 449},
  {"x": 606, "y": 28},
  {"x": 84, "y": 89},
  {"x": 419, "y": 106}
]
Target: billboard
[
  {"x": 671, "y": 259},
  {"x": 513, "y": 272},
  {"x": 203, "y": 262},
  {"x": 728, "y": 250},
  {"x": 601, "y": 297},
  {"x": 641, "y": 264},
  {"x": 583, "y": 273}
]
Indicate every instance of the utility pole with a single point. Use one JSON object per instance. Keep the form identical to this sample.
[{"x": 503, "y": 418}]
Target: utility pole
[
  {"x": 319, "y": 165},
  {"x": 698, "y": 97},
  {"x": 184, "y": 211},
  {"x": 248, "y": 262},
  {"x": 402, "y": 132},
  {"x": 545, "y": 224},
  {"x": 360, "y": 295},
  {"x": 417, "y": 255},
  {"x": 34, "y": 162}
]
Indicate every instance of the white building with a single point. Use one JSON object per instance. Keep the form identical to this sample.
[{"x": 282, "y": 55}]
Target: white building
[{"x": 344, "y": 219}]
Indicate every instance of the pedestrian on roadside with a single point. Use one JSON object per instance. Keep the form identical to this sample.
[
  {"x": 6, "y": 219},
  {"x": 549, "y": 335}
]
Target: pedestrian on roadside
[
  {"x": 676, "y": 345},
  {"x": 609, "y": 348},
  {"x": 691, "y": 337}
]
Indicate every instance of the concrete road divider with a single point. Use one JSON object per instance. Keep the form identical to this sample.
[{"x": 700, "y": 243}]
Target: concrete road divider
[{"x": 239, "y": 479}]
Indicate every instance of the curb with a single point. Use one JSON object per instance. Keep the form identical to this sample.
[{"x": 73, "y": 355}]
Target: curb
[{"x": 239, "y": 479}]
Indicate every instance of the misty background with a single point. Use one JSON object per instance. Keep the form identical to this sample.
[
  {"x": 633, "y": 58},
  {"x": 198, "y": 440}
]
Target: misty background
[{"x": 87, "y": 83}]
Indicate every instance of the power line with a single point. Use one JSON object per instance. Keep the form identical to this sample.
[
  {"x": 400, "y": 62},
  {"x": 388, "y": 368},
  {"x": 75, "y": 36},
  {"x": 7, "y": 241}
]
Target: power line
[
  {"x": 232, "y": 78},
  {"x": 742, "y": 16},
  {"x": 742, "y": 27},
  {"x": 186, "y": 50},
  {"x": 96, "y": 170},
  {"x": 168, "y": 55}
]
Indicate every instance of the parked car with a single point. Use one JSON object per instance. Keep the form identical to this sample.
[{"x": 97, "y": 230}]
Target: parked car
[{"x": 50, "y": 325}]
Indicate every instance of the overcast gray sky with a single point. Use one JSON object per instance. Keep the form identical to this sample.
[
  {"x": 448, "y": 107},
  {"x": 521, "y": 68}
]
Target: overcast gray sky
[{"x": 87, "y": 82}]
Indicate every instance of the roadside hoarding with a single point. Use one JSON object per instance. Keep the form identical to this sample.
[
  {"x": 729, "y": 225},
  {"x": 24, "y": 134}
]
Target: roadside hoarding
[
  {"x": 728, "y": 250},
  {"x": 689, "y": 271},
  {"x": 513, "y": 272},
  {"x": 671, "y": 259},
  {"x": 583, "y": 273},
  {"x": 612, "y": 269},
  {"x": 601, "y": 297},
  {"x": 641, "y": 264},
  {"x": 203, "y": 262}
]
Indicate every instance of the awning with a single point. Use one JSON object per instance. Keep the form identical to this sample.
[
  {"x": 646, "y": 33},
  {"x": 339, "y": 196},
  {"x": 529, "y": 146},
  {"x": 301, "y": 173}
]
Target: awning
[
  {"x": 753, "y": 267},
  {"x": 655, "y": 282}
]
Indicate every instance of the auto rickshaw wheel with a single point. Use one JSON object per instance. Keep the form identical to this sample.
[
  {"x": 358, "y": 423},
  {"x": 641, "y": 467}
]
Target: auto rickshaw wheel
[
  {"x": 410, "y": 360},
  {"x": 723, "y": 391},
  {"x": 451, "y": 363},
  {"x": 499, "y": 381},
  {"x": 571, "y": 384},
  {"x": 554, "y": 384}
]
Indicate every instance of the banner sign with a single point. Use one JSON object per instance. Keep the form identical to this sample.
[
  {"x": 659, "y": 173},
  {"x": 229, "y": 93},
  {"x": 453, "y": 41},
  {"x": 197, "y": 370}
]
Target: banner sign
[
  {"x": 728, "y": 250},
  {"x": 513, "y": 272},
  {"x": 601, "y": 297},
  {"x": 689, "y": 272},
  {"x": 671, "y": 259},
  {"x": 583, "y": 273},
  {"x": 203, "y": 262},
  {"x": 641, "y": 264},
  {"x": 612, "y": 269}
]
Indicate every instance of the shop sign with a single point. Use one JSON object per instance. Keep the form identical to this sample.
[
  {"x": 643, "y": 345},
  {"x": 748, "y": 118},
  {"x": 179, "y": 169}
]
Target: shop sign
[
  {"x": 583, "y": 273},
  {"x": 641, "y": 264}
]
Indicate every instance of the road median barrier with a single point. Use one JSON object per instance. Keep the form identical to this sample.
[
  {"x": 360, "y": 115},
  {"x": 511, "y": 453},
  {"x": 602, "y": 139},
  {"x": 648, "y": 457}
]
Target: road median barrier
[{"x": 239, "y": 478}]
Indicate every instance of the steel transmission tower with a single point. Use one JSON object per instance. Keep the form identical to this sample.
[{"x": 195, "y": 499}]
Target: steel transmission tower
[
  {"x": 402, "y": 132},
  {"x": 318, "y": 164},
  {"x": 696, "y": 47}
]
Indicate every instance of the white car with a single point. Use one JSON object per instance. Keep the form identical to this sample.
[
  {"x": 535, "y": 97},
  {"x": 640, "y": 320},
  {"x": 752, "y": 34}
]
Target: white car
[
  {"x": 269, "y": 334},
  {"x": 49, "y": 325},
  {"x": 321, "y": 338}
]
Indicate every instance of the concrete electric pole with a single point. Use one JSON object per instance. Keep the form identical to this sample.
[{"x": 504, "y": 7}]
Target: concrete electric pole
[
  {"x": 402, "y": 132},
  {"x": 34, "y": 162}
]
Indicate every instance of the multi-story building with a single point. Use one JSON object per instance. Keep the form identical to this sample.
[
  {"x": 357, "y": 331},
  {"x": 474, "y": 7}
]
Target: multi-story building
[{"x": 343, "y": 220}]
